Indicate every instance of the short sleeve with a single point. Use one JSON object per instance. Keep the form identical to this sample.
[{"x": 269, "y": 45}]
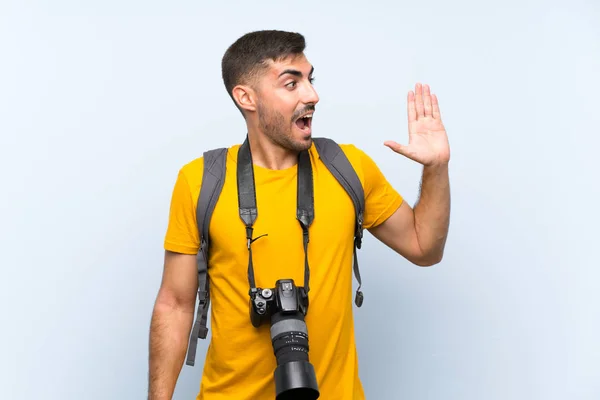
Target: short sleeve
[
  {"x": 381, "y": 199},
  {"x": 182, "y": 231}
]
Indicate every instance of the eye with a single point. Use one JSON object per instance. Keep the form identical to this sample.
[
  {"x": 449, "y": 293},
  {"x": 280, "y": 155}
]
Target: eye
[
  {"x": 291, "y": 85},
  {"x": 311, "y": 80}
]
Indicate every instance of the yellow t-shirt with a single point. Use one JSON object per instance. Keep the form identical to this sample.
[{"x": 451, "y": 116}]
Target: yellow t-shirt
[{"x": 240, "y": 362}]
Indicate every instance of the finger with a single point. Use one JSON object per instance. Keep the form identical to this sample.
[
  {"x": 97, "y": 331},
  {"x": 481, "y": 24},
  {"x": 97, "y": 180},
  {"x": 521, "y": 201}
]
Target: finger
[
  {"x": 397, "y": 147},
  {"x": 427, "y": 100},
  {"x": 412, "y": 111},
  {"x": 401, "y": 149},
  {"x": 419, "y": 100},
  {"x": 435, "y": 107}
]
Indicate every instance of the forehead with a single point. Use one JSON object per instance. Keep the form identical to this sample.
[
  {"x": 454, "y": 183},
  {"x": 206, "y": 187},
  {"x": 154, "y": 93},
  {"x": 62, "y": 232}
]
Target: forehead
[{"x": 297, "y": 62}]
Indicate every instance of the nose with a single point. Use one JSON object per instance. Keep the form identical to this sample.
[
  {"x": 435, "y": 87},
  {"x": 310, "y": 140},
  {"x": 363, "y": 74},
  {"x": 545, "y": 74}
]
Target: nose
[{"x": 310, "y": 95}]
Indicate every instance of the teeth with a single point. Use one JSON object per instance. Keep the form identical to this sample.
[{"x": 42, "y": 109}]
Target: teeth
[{"x": 308, "y": 116}]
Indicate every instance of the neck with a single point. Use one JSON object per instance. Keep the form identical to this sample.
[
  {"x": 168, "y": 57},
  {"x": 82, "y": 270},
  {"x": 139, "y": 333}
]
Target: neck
[{"x": 268, "y": 154}]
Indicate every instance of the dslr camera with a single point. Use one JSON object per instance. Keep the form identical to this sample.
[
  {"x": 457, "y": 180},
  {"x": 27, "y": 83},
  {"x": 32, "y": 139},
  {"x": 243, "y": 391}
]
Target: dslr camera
[{"x": 284, "y": 307}]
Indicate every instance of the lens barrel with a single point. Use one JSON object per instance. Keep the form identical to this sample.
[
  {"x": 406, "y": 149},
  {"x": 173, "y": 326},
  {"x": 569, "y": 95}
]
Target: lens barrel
[{"x": 295, "y": 376}]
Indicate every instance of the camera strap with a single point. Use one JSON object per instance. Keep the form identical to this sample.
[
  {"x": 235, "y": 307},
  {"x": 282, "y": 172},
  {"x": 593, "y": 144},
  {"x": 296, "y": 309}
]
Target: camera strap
[{"x": 248, "y": 210}]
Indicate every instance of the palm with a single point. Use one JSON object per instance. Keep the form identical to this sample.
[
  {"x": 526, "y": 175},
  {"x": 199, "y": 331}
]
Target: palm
[{"x": 427, "y": 139}]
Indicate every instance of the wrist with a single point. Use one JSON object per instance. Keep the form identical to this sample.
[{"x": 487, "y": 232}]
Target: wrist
[{"x": 436, "y": 167}]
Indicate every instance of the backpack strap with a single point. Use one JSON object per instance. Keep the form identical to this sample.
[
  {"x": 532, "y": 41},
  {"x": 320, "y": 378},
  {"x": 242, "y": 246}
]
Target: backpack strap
[
  {"x": 212, "y": 183},
  {"x": 338, "y": 164}
]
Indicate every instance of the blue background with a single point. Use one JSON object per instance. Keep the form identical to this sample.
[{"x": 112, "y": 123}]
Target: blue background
[{"x": 102, "y": 102}]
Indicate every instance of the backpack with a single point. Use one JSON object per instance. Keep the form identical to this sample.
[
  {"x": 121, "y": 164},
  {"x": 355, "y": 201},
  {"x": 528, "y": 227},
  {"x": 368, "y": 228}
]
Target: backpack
[{"x": 212, "y": 183}]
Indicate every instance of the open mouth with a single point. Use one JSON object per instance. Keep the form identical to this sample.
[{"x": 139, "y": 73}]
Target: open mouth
[{"x": 304, "y": 123}]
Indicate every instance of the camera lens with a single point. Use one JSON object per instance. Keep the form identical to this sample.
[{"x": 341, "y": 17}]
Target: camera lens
[
  {"x": 290, "y": 338},
  {"x": 295, "y": 377}
]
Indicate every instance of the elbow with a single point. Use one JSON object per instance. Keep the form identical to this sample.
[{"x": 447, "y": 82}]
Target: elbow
[
  {"x": 426, "y": 263},
  {"x": 428, "y": 259},
  {"x": 169, "y": 301},
  {"x": 165, "y": 303}
]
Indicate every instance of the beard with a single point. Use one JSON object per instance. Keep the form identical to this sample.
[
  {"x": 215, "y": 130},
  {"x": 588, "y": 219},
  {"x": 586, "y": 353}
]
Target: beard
[{"x": 279, "y": 131}]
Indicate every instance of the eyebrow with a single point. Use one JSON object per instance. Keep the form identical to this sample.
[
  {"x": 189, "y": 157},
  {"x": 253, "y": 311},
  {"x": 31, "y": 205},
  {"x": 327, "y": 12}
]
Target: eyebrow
[{"x": 295, "y": 72}]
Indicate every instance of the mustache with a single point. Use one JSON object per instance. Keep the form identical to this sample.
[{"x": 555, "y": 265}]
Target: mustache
[{"x": 304, "y": 110}]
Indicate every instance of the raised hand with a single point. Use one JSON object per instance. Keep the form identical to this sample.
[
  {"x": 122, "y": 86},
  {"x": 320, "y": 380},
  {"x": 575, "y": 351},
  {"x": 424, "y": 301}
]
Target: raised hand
[{"x": 427, "y": 139}]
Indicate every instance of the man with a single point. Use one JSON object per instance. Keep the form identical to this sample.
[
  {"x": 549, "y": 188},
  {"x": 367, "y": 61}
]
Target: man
[{"x": 271, "y": 82}]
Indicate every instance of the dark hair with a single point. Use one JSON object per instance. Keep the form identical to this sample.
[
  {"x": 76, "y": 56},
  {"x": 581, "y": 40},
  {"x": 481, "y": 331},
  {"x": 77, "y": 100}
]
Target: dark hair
[{"x": 247, "y": 56}]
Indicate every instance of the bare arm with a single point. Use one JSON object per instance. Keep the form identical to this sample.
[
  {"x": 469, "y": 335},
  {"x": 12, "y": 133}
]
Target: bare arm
[
  {"x": 420, "y": 234},
  {"x": 172, "y": 319}
]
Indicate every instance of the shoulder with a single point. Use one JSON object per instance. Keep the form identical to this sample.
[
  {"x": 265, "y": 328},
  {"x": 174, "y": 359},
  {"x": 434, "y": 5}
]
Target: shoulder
[
  {"x": 358, "y": 158},
  {"x": 195, "y": 166},
  {"x": 192, "y": 171},
  {"x": 355, "y": 154}
]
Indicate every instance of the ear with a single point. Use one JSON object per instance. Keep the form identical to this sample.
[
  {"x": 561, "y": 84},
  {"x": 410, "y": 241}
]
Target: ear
[{"x": 245, "y": 97}]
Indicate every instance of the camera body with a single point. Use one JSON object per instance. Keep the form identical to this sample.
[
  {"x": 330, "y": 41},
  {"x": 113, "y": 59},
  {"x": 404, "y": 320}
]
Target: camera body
[
  {"x": 284, "y": 307},
  {"x": 284, "y": 298}
]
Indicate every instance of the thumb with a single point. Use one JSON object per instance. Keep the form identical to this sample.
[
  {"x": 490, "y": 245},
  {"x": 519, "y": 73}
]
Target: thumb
[
  {"x": 406, "y": 151},
  {"x": 397, "y": 147}
]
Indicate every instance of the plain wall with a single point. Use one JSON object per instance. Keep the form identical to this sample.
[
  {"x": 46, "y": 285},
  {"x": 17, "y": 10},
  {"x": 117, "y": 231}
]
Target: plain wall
[{"x": 101, "y": 103}]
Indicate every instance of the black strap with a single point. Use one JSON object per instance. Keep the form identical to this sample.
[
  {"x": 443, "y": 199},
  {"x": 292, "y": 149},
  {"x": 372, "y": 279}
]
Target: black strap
[
  {"x": 212, "y": 184},
  {"x": 247, "y": 200},
  {"x": 305, "y": 209},
  {"x": 249, "y": 212},
  {"x": 338, "y": 164}
]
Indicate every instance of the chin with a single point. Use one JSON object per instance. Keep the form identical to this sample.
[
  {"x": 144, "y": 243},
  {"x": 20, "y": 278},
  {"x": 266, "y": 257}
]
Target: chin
[{"x": 303, "y": 143}]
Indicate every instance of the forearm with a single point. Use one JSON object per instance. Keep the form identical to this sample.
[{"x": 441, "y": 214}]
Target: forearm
[
  {"x": 432, "y": 212},
  {"x": 169, "y": 333}
]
